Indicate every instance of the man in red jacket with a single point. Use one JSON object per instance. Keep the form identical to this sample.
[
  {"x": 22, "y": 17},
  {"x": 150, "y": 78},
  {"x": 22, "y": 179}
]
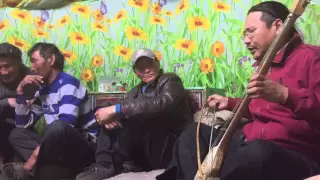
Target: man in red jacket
[{"x": 283, "y": 139}]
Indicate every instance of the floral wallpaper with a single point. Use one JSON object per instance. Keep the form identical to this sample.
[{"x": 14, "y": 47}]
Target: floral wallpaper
[
  {"x": 200, "y": 40},
  {"x": 37, "y": 4}
]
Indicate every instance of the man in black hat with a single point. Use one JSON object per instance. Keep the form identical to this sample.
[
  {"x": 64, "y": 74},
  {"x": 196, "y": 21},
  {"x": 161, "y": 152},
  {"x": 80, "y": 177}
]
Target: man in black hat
[
  {"x": 12, "y": 71},
  {"x": 138, "y": 134}
]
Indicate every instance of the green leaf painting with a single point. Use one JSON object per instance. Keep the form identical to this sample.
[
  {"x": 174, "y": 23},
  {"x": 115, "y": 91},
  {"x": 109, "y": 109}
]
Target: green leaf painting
[{"x": 200, "y": 40}]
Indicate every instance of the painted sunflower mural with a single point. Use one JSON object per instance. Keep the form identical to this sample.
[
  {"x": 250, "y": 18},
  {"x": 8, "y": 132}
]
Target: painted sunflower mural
[
  {"x": 36, "y": 4},
  {"x": 200, "y": 40}
]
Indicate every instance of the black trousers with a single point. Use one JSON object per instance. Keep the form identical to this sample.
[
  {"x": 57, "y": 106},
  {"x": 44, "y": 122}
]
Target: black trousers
[
  {"x": 4, "y": 178},
  {"x": 61, "y": 145},
  {"x": 5, "y": 147},
  {"x": 255, "y": 160},
  {"x": 146, "y": 148},
  {"x": 5, "y": 129}
]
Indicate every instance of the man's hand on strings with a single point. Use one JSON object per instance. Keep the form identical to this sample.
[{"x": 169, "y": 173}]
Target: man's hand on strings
[
  {"x": 261, "y": 88},
  {"x": 217, "y": 101}
]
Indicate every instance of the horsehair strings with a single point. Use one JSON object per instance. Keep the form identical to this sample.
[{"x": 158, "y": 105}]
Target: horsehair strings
[
  {"x": 197, "y": 140},
  {"x": 211, "y": 132},
  {"x": 197, "y": 137}
]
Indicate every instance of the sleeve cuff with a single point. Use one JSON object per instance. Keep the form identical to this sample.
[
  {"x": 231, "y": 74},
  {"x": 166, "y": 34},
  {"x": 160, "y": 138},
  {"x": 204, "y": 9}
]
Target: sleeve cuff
[
  {"x": 295, "y": 96},
  {"x": 118, "y": 109},
  {"x": 21, "y": 99}
]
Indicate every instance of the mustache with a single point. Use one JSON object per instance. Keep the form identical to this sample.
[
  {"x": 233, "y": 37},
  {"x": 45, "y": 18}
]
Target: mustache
[
  {"x": 33, "y": 72},
  {"x": 145, "y": 75},
  {"x": 148, "y": 75}
]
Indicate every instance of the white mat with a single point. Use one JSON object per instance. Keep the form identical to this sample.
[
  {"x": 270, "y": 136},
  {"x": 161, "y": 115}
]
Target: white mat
[{"x": 138, "y": 176}]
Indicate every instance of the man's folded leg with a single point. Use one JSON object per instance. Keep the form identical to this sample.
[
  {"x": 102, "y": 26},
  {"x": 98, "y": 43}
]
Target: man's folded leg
[
  {"x": 258, "y": 159},
  {"x": 184, "y": 160},
  {"x": 24, "y": 142},
  {"x": 6, "y": 151},
  {"x": 63, "y": 146},
  {"x": 106, "y": 164},
  {"x": 265, "y": 160}
]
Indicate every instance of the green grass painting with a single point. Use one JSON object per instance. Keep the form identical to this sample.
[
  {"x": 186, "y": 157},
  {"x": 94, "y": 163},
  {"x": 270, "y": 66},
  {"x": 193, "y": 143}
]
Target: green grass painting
[{"x": 200, "y": 40}]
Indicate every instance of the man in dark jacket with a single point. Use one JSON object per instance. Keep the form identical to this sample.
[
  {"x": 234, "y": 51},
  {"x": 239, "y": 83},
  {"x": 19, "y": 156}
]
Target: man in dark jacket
[
  {"x": 12, "y": 71},
  {"x": 138, "y": 134}
]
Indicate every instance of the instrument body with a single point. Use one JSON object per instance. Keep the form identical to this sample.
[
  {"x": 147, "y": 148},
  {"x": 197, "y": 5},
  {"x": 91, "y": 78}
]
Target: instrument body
[{"x": 211, "y": 165}]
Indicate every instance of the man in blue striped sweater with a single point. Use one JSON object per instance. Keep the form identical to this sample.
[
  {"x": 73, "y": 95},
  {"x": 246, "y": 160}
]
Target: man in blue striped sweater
[{"x": 62, "y": 100}]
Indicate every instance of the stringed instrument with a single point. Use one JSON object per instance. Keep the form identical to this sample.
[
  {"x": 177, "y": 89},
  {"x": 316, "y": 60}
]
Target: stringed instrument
[{"x": 210, "y": 167}]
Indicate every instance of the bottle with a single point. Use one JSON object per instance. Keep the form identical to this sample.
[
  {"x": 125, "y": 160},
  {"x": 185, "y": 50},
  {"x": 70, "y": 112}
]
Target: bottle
[{"x": 29, "y": 90}]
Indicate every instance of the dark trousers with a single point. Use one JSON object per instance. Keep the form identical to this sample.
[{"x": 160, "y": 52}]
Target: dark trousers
[
  {"x": 5, "y": 147},
  {"x": 61, "y": 145},
  {"x": 255, "y": 160},
  {"x": 5, "y": 129},
  {"x": 4, "y": 178},
  {"x": 146, "y": 148}
]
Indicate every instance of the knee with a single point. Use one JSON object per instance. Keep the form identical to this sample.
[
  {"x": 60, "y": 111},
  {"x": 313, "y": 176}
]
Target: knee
[
  {"x": 15, "y": 135},
  {"x": 258, "y": 152},
  {"x": 188, "y": 135},
  {"x": 56, "y": 128},
  {"x": 261, "y": 148},
  {"x": 191, "y": 130},
  {"x": 187, "y": 139}
]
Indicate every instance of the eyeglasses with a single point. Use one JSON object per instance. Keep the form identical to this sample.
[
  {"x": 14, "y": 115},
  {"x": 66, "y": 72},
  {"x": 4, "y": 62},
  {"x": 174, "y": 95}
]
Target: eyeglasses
[{"x": 249, "y": 32}]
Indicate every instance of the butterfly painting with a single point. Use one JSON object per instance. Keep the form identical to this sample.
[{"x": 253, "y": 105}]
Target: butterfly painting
[
  {"x": 44, "y": 15},
  {"x": 162, "y": 2},
  {"x": 103, "y": 8}
]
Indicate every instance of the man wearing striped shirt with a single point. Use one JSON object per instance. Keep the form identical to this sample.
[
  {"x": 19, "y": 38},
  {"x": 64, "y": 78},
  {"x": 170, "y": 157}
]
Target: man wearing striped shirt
[{"x": 63, "y": 101}]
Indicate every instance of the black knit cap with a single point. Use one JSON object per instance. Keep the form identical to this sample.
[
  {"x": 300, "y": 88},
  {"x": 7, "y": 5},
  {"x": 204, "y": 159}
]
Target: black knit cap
[
  {"x": 273, "y": 8},
  {"x": 7, "y": 49}
]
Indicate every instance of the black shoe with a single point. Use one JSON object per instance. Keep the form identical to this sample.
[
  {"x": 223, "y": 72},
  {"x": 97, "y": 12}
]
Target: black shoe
[
  {"x": 96, "y": 172},
  {"x": 15, "y": 171},
  {"x": 129, "y": 166}
]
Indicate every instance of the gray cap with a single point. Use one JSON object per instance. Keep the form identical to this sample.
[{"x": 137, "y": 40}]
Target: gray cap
[
  {"x": 142, "y": 53},
  {"x": 7, "y": 49}
]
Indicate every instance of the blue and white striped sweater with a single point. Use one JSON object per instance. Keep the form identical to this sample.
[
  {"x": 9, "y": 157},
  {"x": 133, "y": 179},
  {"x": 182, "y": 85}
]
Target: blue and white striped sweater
[{"x": 65, "y": 99}]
